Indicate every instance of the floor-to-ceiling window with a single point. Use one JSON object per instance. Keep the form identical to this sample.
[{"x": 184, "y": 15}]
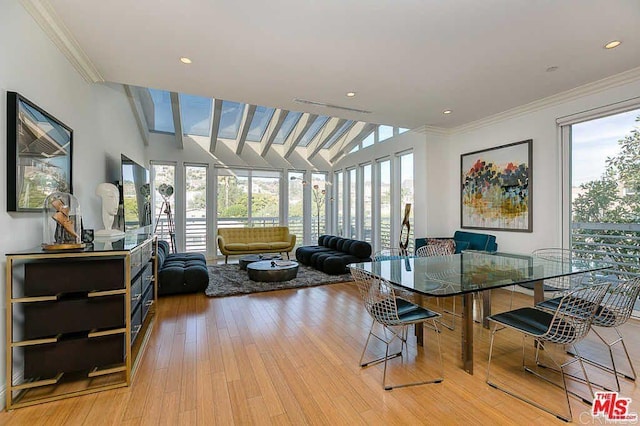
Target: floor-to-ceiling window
[
  {"x": 195, "y": 182},
  {"x": 352, "y": 232},
  {"x": 265, "y": 198},
  {"x": 339, "y": 184},
  {"x": 367, "y": 204},
  {"x": 163, "y": 184},
  {"x": 248, "y": 198},
  {"x": 233, "y": 198},
  {"x": 296, "y": 206},
  {"x": 319, "y": 198},
  {"x": 604, "y": 219},
  {"x": 384, "y": 189},
  {"x": 406, "y": 191}
]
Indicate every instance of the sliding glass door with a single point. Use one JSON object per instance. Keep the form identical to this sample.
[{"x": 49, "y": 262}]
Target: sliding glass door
[
  {"x": 605, "y": 190},
  {"x": 195, "y": 179}
]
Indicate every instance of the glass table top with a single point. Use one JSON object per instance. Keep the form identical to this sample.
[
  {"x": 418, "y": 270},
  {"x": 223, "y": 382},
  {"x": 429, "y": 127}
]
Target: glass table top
[{"x": 472, "y": 271}]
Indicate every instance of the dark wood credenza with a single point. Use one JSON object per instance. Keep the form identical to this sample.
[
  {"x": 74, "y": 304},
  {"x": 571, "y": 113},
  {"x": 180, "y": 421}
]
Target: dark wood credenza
[{"x": 77, "y": 321}]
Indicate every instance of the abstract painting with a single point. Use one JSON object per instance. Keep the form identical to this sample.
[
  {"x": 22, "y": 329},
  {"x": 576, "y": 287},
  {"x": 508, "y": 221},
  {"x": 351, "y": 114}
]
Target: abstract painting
[{"x": 496, "y": 188}]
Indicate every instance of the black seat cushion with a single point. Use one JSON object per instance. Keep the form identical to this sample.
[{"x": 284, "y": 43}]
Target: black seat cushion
[
  {"x": 532, "y": 321},
  {"x": 181, "y": 272}
]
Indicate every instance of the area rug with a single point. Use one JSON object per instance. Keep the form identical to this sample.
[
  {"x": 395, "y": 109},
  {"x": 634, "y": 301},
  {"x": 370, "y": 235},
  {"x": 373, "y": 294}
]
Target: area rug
[{"x": 229, "y": 280}]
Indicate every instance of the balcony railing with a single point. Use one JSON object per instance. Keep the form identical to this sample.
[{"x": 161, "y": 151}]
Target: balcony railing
[{"x": 617, "y": 244}]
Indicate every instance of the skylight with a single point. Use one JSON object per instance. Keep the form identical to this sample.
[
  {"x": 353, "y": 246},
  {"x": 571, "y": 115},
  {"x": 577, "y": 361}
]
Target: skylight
[
  {"x": 313, "y": 130},
  {"x": 369, "y": 140},
  {"x": 230, "y": 119},
  {"x": 196, "y": 115},
  {"x": 261, "y": 119},
  {"x": 287, "y": 126},
  {"x": 159, "y": 114},
  {"x": 384, "y": 133},
  {"x": 337, "y": 135}
]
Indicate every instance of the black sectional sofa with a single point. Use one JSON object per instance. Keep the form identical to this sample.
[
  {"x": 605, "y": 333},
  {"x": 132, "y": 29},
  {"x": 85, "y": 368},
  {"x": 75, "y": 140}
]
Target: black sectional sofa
[
  {"x": 180, "y": 272},
  {"x": 333, "y": 254}
]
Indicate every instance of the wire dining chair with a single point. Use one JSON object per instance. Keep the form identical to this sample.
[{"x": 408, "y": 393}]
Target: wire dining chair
[
  {"x": 555, "y": 286},
  {"x": 567, "y": 325},
  {"x": 430, "y": 250},
  {"x": 615, "y": 310},
  {"x": 392, "y": 313}
]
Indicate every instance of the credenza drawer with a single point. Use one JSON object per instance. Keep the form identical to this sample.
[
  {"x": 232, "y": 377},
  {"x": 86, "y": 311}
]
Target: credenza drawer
[
  {"x": 73, "y": 355},
  {"x": 136, "y": 322},
  {"x": 44, "y": 319},
  {"x": 63, "y": 276},
  {"x": 147, "y": 301}
]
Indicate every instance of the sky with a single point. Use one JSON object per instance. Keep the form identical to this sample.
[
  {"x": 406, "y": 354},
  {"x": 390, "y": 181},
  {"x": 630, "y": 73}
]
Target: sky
[{"x": 593, "y": 141}]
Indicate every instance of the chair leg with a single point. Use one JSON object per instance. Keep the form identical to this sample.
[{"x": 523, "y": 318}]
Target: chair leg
[
  {"x": 613, "y": 369},
  {"x": 423, "y": 382},
  {"x": 226, "y": 259},
  {"x": 494, "y": 385},
  {"x": 377, "y": 360}
]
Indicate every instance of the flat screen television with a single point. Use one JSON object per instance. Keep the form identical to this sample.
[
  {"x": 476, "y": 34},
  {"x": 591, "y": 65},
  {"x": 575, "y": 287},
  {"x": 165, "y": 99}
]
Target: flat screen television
[{"x": 135, "y": 195}]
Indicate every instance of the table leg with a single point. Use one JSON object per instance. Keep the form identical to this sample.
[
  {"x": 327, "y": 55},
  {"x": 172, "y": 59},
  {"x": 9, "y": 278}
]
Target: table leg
[
  {"x": 538, "y": 292},
  {"x": 467, "y": 332},
  {"x": 486, "y": 308},
  {"x": 418, "y": 327}
]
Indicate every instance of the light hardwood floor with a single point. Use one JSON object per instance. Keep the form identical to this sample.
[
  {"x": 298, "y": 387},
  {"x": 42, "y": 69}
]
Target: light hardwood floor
[{"x": 291, "y": 357}]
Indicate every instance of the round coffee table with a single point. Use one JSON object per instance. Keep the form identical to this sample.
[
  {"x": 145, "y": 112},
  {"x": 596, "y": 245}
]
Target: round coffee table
[
  {"x": 270, "y": 271},
  {"x": 250, "y": 258}
]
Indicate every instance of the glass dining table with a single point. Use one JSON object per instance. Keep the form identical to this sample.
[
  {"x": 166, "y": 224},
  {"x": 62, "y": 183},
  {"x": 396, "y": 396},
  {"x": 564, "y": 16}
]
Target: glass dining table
[{"x": 473, "y": 272}]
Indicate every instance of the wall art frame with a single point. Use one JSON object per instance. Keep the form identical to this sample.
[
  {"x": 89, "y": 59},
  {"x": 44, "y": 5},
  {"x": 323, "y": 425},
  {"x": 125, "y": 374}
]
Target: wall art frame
[
  {"x": 39, "y": 155},
  {"x": 496, "y": 188}
]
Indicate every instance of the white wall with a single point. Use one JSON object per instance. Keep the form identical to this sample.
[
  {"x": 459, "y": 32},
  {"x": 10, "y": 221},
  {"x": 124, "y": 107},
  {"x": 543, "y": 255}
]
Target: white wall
[
  {"x": 100, "y": 116},
  {"x": 547, "y": 168}
]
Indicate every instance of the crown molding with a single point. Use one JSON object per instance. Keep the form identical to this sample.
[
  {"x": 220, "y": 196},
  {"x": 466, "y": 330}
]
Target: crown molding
[
  {"x": 432, "y": 130},
  {"x": 45, "y": 15},
  {"x": 559, "y": 98}
]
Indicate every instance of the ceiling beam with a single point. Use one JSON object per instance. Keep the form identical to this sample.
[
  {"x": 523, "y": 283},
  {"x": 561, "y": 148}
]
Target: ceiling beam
[
  {"x": 177, "y": 119},
  {"x": 138, "y": 113},
  {"x": 321, "y": 142},
  {"x": 295, "y": 140},
  {"x": 247, "y": 117},
  {"x": 274, "y": 127},
  {"x": 215, "y": 124},
  {"x": 361, "y": 130}
]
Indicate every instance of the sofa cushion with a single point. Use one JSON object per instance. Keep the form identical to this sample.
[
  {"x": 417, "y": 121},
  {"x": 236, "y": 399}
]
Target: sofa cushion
[
  {"x": 183, "y": 273},
  {"x": 360, "y": 249},
  {"x": 278, "y": 245},
  {"x": 484, "y": 242},
  {"x": 258, "y": 246},
  {"x": 449, "y": 244},
  {"x": 237, "y": 246}
]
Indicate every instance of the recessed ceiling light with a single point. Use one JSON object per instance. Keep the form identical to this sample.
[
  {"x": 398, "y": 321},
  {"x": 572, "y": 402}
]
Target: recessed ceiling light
[
  {"x": 351, "y": 94},
  {"x": 552, "y": 69},
  {"x": 612, "y": 44},
  {"x": 447, "y": 111},
  {"x": 185, "y": 60}
]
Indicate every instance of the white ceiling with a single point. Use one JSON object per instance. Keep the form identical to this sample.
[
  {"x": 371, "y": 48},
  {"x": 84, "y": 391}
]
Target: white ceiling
[{"x": 407, "y": 60}]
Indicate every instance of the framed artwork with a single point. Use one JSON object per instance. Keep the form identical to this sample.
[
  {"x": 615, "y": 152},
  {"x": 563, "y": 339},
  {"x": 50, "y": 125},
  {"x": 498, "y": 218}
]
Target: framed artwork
[
  {"x": 496, "y": 188},
  {"x": 38, "y": 155}
]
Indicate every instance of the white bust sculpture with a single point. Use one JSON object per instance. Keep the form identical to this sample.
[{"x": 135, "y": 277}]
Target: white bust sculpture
[{"x": 110, "y": 197}]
